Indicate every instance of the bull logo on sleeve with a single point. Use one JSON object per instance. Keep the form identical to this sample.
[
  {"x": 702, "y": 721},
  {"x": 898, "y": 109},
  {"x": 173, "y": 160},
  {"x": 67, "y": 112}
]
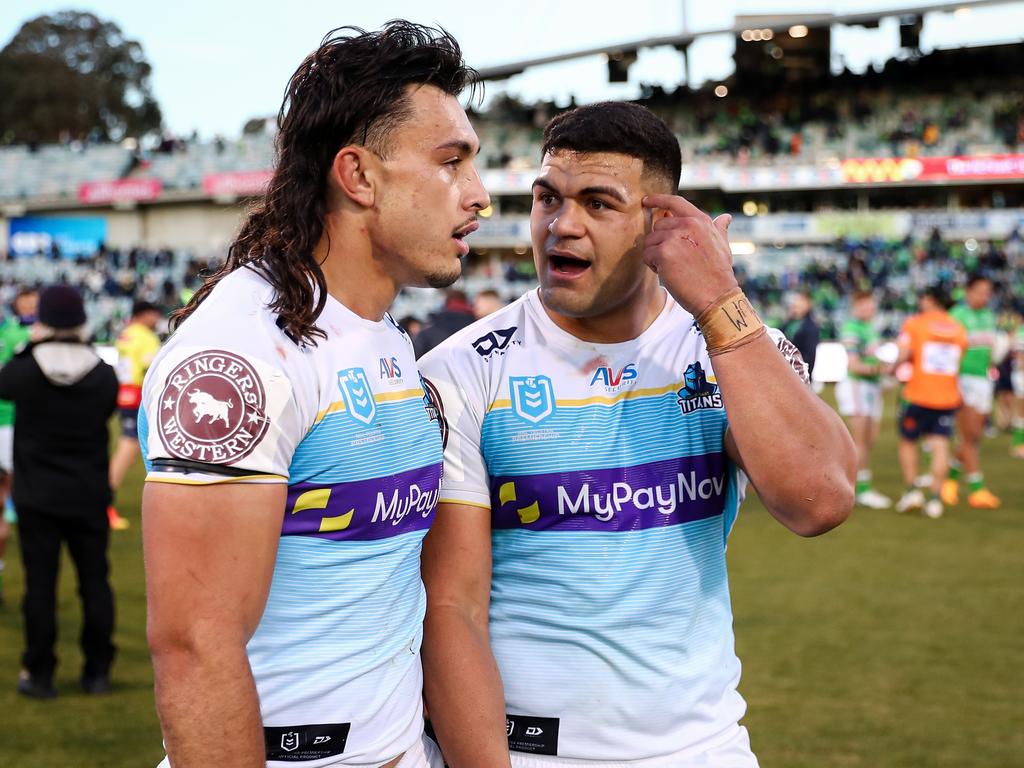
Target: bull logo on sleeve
[{"x": 212, "y": 408}]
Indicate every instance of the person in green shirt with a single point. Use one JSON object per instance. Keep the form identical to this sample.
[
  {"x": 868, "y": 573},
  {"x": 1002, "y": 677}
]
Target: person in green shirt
[
  {"x": 14, "y": 333},
  {"x": 977, "y": 390},
  {"x": 859, "y": 395}
]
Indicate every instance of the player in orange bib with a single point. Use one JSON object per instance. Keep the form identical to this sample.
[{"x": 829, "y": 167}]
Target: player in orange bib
[{"x": 933, "y": 343}]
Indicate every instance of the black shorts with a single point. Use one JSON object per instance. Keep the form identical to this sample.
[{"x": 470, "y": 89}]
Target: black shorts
[
  {"x": 129, "y": 422},
  {"x": 916, "y": 420}
]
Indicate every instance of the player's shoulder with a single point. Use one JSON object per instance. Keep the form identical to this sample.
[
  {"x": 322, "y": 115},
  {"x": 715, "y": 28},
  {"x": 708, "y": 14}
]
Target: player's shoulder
[
  {"x": 481, "y": 341},
  {"x": 237, "y": 312}
]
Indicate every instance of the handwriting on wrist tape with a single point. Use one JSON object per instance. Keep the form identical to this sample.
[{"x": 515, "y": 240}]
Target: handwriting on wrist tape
[{"x": 729, "y": 323}]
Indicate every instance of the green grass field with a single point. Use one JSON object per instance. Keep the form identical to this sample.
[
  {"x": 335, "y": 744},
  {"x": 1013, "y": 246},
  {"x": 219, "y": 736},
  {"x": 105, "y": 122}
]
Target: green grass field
[{"x": 892, "y": 641}]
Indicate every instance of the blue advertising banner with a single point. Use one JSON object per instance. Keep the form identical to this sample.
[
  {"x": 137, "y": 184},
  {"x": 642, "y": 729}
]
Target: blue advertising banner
[{"x": 73, "y": 237}]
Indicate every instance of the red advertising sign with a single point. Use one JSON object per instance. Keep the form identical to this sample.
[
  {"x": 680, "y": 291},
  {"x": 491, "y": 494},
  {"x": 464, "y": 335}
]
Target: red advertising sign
[
  {"x": 237, "y": 184},
  {"x": 119, "y": 190},
  {"x": 897, "y": 169}
]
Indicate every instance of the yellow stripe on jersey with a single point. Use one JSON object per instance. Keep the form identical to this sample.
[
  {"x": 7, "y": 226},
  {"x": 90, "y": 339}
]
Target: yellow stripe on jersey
[
  {"x": 384, "y": 397},
  {"x": 268, "y": 479},
  {"x": 604, "y": 399}
]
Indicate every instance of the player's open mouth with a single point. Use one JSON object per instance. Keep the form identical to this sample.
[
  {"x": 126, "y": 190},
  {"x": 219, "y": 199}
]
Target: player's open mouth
[
  {"x": 565, "y": 264},
  {"x": 460, "y": 234}
]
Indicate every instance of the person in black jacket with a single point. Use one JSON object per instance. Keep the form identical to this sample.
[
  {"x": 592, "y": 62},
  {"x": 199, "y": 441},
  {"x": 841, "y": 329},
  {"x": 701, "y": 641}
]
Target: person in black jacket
[
  {"x": 64, "y": 396},
  {"x": 801, "y": 328}
]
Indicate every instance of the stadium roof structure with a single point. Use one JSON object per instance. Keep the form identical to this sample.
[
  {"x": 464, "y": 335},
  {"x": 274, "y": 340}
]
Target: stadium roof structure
[{"x": 775, "y": 22}]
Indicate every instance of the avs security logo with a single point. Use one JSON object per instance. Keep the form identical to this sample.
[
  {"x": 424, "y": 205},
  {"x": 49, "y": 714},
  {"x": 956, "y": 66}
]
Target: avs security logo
[
  {"x": 212, "y": 408},
  {"x": 697, "y": 392},
  {"x": 356, "y": 392},
  {"x": 495, "y": 342},
  {"x": 533, "y": 398},
  {"x": 610, "y": 379},
  {"x": 389, "y": 369}
]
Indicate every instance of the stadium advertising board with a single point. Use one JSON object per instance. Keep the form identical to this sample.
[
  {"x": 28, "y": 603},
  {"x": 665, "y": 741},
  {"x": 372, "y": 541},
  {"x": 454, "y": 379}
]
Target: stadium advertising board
[
  {"x": 237, "y": 183},
  {"x": 28, "y": 236},
  {"x": 876, "y": 170},
  {"x": 119, "y": 191}
]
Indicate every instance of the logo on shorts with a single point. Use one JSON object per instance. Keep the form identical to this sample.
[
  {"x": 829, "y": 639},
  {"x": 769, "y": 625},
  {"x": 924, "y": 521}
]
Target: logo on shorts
[
  {"x": 212, "y": 408},
  {"x": 290, "y": 741},
  {"x": 697, "y": 392}
]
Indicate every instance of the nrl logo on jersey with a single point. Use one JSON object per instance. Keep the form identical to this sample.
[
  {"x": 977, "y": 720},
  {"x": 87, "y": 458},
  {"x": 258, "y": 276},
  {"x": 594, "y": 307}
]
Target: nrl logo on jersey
[
  {"x": 697, "y": 392},
  {"x": 355, "y": 391},
  {"x": 496, "y": 342},
  {"x": 533, "y": 398}
]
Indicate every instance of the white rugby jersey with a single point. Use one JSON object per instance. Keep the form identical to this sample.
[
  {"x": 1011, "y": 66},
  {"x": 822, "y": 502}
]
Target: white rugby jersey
[
  {"x": 610, "y": 494},
  {"x": 230, "y": 398}
]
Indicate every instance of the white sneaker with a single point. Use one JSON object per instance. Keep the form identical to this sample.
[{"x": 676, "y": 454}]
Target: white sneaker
[
  {"x": 872, "y": 499},
  {"x": 923, "y": 481},
  {"x": 933, "y": 509},
  {"x": 910, "y": 500}
]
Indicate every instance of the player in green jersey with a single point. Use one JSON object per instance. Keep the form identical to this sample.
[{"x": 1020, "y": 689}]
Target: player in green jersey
[
  {"x": 859, "y": 395},
  {"x": 977, "y": 389},
  {"x": 14, "y": 333}
]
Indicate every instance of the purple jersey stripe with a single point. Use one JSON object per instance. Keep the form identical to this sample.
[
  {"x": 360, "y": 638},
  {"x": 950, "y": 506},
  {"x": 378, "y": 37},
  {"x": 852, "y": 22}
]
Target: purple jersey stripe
[
  {"x": 366, "y": 510},
  {"x": 654, "y": 495}
]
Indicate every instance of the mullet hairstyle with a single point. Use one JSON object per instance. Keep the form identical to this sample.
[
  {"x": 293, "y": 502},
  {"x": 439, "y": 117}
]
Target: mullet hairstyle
[
  {"x": 350, "y": 91},
  {"x": 621, "y": 127}
]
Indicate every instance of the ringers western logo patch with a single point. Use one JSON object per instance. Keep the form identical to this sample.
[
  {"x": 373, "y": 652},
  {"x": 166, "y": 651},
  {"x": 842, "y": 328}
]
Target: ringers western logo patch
[{"x": 212, "y": 408}]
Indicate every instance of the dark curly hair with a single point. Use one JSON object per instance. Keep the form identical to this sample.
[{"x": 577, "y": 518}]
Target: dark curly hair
[
  {"x": 351, "y": 90},
  {"x": 622, "y": 127}
]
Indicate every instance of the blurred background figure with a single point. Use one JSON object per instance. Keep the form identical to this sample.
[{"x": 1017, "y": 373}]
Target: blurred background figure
[
  {"x": 64, "y": 395},
  {"x": 486, "y": 303},
  {"x": 411, "y": 325},
  {"x": 977, "y": 389},
  {"x": 1017, "y": 377},
  {"x": 933, "y": 343},
  {"x": 455, "y": 315},
  {"x": 14, "y": 333},
  {"x": 801, "y": 329},
  {"x": 859, "y": 395},
  {"x": 136, "y": 346}
]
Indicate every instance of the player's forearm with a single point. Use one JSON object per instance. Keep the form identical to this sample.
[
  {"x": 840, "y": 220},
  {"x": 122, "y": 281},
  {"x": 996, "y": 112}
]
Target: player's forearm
[
  {"x": 795, "y": 449},
  {"x": 462, "y": 685},
  {"x": 208, "y": 709}
]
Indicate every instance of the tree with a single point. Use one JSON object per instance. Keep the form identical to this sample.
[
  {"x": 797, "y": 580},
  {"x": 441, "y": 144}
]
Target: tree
[{"x": 72, "y": 74}]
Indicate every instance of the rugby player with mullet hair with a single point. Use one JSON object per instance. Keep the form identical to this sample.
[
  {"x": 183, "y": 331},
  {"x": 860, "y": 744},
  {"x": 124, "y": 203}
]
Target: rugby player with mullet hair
[
  {"x": 599, "y": 433},
  {"x": 293, "y": 457}
]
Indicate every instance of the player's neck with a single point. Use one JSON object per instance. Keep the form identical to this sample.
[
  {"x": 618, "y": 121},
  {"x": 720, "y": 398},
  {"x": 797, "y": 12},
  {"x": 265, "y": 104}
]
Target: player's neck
[
  {"x": 354, "y": 277},
  {"x": 623, "y": 323}
]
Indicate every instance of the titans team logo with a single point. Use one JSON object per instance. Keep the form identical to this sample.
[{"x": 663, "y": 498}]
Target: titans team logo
[
  {"x": 212, "y": 408},
  {"x": 533, "y": 398},
  {"x": 697, "y": 392},
  {"x": 356, "y": 392}
]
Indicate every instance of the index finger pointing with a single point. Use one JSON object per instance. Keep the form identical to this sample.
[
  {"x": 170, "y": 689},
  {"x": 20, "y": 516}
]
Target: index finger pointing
[{"x": 674, "y": 204}]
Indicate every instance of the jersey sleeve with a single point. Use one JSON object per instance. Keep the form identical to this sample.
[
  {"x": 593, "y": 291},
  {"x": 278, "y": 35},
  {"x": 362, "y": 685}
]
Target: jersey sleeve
[
  {"x": 791, "y": 354},
  {"x": 459, "y": 389},
  {"x": 220, "y": 412}
]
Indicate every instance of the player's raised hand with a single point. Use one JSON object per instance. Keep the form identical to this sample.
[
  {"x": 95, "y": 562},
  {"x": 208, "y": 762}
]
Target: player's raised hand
[{"x": 689, "y": 251}]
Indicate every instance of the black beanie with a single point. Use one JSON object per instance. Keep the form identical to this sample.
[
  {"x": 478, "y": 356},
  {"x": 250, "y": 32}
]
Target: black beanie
[{"x": 60, "y": 307}]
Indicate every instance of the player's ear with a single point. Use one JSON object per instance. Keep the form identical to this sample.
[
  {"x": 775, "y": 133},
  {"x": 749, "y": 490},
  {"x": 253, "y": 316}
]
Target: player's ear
[{"x": 353, "y": 175}]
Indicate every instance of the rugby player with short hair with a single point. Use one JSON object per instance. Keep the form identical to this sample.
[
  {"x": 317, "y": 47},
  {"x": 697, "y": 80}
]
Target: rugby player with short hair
[
  {"x": 859, "y": 395},
  {"x": 294, "y": 459},
  {"x": 933, "y": 343},
  {"x": 598, "y": 431},
  {"x": 977, "y": 389}
]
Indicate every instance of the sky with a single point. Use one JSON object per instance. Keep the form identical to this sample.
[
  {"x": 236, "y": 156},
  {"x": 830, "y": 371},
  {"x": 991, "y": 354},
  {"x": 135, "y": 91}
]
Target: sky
[{"x": 218, "y": 63}]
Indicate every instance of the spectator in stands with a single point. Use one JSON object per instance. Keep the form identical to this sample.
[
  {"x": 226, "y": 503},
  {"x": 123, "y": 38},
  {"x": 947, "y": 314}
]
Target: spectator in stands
[
  {"x": 14, "y": 333},
  {"x": 64, "y": 396},
  {"x": 411, "y": 325},
  {"x": 136, "y": 347},
  {"x": 456, "y": 314},
  {"x": 933, "y": 343},
  {"x": 801, "y": 328},
  {"x": 486, "y": 302}
]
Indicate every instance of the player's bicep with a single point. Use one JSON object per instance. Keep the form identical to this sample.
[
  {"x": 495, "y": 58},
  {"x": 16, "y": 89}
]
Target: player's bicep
[
  {"x": 209, "y": 555},
  {"x": 457, "y": 560}
]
